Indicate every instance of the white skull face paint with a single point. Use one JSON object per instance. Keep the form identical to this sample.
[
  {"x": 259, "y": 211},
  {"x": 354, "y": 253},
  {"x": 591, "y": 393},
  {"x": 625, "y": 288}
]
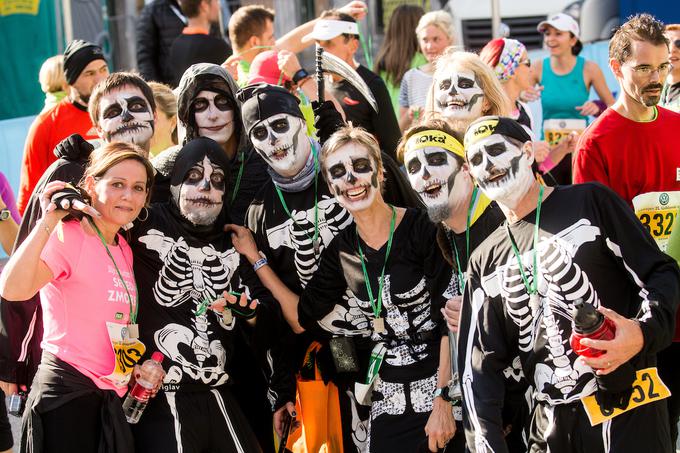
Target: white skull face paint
[
  {"x": 458, "y": 96},
  {"x": 353, "y": 177},
  {"x": 434, "y": 173},
  {"x": 502, "y": 170},
  {"x": 126, "y": 116},
  {"x": 214, "y": 114},
  {"x": 282, "y": 141},
  {"x": 200, "y": 196}
]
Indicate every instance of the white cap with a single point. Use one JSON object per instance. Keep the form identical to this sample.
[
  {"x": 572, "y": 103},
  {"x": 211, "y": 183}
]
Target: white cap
[
  {"x": 562, "y": 22},
  {"x": 325, "y": 29}
]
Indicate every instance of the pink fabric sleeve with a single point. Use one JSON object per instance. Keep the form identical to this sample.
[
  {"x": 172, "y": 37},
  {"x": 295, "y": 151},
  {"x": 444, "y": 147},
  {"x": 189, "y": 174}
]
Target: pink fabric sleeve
[{"x": 60, "y": 253}]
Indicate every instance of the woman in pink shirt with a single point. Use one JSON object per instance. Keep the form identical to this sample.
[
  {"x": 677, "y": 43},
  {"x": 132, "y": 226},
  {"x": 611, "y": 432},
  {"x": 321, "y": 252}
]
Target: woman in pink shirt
[{"x": 83, "y": 270}]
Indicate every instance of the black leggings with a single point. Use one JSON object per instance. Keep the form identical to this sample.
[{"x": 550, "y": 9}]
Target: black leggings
[
  {"x": 668, "y": 363},
  {"x": 5, "y": 428},
  {"x": 75, "y": 426}
]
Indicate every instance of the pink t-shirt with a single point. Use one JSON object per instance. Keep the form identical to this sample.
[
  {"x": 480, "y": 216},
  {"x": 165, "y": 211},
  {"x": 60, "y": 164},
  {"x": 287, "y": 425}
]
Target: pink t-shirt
[{"x": 85, "y": 294}]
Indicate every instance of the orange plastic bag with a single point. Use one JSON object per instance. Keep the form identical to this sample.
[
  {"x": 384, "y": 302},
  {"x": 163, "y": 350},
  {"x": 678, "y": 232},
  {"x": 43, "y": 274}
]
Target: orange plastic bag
[{"x": 318, "y": 409}]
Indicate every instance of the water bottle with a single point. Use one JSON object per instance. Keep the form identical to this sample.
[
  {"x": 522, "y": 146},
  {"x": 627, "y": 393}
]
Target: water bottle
[
  {"x": 589, "y": 323},
  {"x": 151, "y": 375}
]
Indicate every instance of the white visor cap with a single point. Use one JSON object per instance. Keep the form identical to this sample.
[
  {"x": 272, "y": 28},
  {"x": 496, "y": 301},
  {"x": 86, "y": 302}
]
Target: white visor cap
[{"x": 328, "y": 29}]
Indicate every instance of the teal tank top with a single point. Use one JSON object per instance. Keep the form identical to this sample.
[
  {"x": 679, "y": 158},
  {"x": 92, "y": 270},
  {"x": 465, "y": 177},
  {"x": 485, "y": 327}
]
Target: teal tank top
[{"x": 563, "y": 93}]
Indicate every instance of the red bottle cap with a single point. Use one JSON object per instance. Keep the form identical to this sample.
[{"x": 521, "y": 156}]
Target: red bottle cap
[{"x": 157, "y": 356}]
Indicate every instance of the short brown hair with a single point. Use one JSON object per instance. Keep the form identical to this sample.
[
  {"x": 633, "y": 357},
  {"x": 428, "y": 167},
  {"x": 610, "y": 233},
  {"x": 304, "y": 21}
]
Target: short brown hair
[
  {"x": 641, "y": 27},
  {"x": 248, "y": 21},
  {"x": 190, "y": 8},
  {"x": 350, "y": 134},
  {"x": 114, "y": 81},
  {"x": 111, "y": 154}
]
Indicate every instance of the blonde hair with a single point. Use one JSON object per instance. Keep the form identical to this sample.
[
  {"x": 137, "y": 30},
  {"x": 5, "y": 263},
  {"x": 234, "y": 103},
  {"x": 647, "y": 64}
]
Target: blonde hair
[
  {"x": 440, "y": 19},
  {"x": 345, "y": 136},
  {"x": 111, "y": 154},
  {"x": 51, "y": 75},
  {"x": 166, "y": 102},
  {"x": 499, "y": 103}
]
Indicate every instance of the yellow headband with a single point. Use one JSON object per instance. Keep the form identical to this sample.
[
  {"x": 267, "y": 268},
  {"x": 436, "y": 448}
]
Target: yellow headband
[
  {"x": 434, "y": 138},
  {"x": 480, "y": 130}
]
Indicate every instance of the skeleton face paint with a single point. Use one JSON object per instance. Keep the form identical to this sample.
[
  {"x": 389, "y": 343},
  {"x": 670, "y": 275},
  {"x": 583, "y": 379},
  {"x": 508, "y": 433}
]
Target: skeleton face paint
[
  {"x": 458, "y": 96},
  {"x": 200, "y": 195},
  {"x": 214, "y": 114},
  {"x": 434, "y": 173},
  {"x": 502, "y": 170},
  {"x": 353, "y": 177},
  {"x": 126, "y": 116},
  {"x": 281, "y": 140}
]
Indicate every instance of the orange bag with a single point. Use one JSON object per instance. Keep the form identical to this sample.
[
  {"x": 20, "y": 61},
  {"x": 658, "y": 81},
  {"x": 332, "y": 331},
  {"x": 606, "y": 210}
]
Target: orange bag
[{"x": 318, "y": 409}]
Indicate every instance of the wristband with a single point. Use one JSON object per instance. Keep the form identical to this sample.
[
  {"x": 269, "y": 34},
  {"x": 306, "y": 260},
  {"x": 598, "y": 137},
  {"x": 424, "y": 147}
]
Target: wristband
[
  {"x": 299, "y": 75},
  {"x": 259, "y": 263}
]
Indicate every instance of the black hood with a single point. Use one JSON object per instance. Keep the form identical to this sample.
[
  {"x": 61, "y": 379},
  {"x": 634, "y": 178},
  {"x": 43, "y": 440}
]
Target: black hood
[
  {"x": 211, "y": 77},
  {"x": 190, "y": 154}
]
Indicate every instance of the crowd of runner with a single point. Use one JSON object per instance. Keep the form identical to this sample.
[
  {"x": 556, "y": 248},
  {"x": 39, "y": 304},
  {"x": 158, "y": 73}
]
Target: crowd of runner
[{"x": 382, "y": 259}]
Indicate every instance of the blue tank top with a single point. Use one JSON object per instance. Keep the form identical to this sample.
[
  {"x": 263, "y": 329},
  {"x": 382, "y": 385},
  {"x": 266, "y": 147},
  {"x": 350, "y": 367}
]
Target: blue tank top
[{"x": 563, "y": 93}]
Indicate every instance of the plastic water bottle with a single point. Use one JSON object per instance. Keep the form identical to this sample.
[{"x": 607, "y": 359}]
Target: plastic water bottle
[
  {"x": 151, "y": 375},
  {"x": 589, "y": 323}
]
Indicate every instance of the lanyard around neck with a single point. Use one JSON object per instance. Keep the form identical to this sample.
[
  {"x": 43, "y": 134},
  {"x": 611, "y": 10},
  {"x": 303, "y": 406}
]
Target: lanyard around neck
[
  {"x": 533, "y": 288},
  {"x": 377, "y": 306},
  {"x": 461, "y": 280},
  {"x": 315, "y": 238},
  {"x": 238, "y": 177},
  {"x": 133, "y": 303}
]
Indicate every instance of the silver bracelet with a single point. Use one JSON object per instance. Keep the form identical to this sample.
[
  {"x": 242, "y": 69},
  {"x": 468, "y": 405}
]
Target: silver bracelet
[{"x": 259, "y": 263}]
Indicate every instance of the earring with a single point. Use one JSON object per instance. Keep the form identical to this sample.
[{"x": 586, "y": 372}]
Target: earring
[{"x": 146, "y": 211}]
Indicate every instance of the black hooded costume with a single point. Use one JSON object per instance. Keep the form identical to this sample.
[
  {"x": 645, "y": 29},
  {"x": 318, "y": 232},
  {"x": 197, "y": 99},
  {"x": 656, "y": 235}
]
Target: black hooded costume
[
  {"x": 246, "y": 162},
  {"x": 178, "y": 265}
]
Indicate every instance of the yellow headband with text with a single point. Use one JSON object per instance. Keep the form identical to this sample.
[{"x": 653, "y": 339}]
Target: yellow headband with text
[{"x": 436, "y": 138}]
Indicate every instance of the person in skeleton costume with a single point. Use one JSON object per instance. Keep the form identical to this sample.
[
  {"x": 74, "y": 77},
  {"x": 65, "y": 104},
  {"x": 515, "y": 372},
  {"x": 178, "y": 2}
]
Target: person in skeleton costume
[
  {"x": 559, "y": 246},
  {"x": 121, "y": 109},
  {"x": 183, "y": 263},
  {"x": 207, "y": 107},
  {"x": 465, "y": 88},
  {"x": 401, "y": 314},
  {"x": 435, "y": 164}
]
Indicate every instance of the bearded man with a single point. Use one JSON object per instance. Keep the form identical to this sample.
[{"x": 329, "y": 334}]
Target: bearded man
[{"x": 560, "y": 248}]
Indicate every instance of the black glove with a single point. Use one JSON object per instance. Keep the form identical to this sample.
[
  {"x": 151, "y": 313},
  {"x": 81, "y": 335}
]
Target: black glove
[
  {"x": 615, "y": 388},
  {"x": 327, "y": 120},
  {"x": 74, "y": 147},
  {"x": 71, "y": 194}
]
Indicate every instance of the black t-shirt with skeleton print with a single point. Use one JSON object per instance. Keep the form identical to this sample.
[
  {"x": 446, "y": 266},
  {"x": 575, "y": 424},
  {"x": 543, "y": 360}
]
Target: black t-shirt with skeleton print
[
  {"x": 417, "y": 284},
  {"x": 175, "y": 272},
  {"x": 591, "y": 247}
]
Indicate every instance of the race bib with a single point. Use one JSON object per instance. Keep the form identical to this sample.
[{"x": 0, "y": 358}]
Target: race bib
[
  {"x": 127, "y": 352},
  {"x": 647, "y": 388},
  {"x": 556, "y": 130},
  {"x": 657, "y": 211}
]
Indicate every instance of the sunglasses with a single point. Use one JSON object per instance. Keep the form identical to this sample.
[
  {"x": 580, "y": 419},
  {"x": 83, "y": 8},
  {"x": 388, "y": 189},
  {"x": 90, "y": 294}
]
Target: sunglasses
[{"x": 526, "y": 62}]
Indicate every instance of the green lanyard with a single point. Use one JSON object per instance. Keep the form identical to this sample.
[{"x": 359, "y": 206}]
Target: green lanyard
[
  {"x": 134, "y": 306},
  {"x": 377, "y": 307},
  {"x": 238, "y": 177},
  {"x": 461, "y": 280},
  {"x": 533, "y": 288},
  {"x": 315, "y": 238}
]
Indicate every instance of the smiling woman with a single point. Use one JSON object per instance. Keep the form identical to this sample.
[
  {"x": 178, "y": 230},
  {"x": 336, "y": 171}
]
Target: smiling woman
[{"x": 83, "y": 270}]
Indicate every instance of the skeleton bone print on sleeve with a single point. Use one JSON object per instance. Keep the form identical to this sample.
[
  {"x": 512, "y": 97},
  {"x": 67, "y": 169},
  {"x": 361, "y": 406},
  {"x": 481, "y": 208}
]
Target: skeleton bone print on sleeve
[
  {"x": 333, "y": 218},
  {"x": 189, "y": 276}
]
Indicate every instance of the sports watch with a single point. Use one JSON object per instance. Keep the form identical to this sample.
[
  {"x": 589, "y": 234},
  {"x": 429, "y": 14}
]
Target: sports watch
[
  {"x": 299, "y": 75},
  {"x": 4, "y": 214},
  {"x": 444, "y": 393}
]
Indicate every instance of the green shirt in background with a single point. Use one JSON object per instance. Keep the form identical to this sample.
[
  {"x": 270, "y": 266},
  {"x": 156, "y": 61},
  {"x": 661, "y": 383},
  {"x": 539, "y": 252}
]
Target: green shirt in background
[{"x": 417, "y": 61}]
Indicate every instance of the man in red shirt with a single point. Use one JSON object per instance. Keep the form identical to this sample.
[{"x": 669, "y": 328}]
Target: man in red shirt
[
  {"x": 84, "y": 67},
  {"x": 632, "y": 147}
]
